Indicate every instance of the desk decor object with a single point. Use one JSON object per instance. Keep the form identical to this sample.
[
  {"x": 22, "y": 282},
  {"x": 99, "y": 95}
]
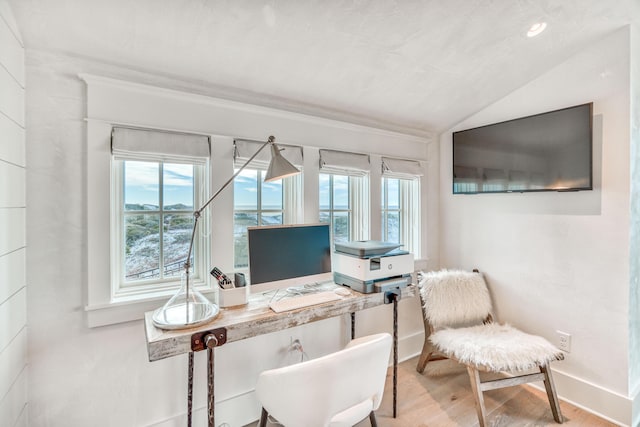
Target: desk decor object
[
  {"x": 188, "y": 307},
  {"x": 233, "y": 297}
]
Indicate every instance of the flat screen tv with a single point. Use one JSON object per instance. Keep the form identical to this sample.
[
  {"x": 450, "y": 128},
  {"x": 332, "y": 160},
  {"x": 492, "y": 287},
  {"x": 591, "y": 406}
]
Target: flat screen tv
[{"x": 546, "y": 152}]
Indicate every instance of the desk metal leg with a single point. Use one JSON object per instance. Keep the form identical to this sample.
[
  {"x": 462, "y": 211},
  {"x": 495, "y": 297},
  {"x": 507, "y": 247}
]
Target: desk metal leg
[
  {"x": 395, "y": 355},
  {"x": 211, "y": 404},
  {"x": 200, "y": 341},
  {"x": 353, "y": 325},
  {"x": 211, "y": 342},
  {"x": 190, "y": 389}
]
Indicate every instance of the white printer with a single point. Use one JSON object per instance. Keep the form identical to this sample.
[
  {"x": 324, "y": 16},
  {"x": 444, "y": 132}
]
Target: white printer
[{"x": 371, "y": 266}]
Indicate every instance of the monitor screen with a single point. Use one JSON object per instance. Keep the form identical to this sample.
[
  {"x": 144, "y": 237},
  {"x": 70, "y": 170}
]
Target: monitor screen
[{"x": 288, "y": 255}]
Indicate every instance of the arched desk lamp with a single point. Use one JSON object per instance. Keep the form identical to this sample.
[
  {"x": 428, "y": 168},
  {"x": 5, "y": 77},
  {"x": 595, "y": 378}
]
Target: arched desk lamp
[{"x": 188, "y": 307}]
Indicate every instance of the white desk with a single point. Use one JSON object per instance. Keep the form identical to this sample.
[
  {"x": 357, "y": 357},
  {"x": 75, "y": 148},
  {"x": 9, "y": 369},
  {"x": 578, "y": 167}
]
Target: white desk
[{"x": 253, "y": 319}]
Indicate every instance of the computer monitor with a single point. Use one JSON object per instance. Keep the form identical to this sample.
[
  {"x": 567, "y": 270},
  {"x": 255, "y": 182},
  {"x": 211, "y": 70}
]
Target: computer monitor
[{"x": 288, "y": 255}]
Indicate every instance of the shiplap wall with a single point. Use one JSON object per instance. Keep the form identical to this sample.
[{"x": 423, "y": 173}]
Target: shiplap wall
[{"x": 13, "y": 291}]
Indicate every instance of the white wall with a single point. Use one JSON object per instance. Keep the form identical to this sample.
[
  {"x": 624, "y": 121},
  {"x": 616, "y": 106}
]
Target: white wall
[
  {"x": 560, "y": 261},
  {"x": 101, "y": 376},
  {"x": 13, "y": 290}
]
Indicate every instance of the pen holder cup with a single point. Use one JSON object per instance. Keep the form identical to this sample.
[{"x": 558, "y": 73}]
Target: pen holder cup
[{"x": 233, "y": 297}]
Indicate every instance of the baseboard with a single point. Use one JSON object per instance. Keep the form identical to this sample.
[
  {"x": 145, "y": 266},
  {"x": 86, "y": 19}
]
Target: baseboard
[
  {"x": 239, "y": 410},
  {"x": 636, "y": 409},
  {"x": 410, "y": 346},
  {"x": 609, "y": 405}
]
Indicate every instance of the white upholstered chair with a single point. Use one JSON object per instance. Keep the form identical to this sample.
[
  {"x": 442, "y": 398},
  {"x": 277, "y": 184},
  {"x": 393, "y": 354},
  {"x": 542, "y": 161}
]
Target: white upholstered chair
[
  {"x": 336, "y": 390},
  {"x": 459, "y": 326}
]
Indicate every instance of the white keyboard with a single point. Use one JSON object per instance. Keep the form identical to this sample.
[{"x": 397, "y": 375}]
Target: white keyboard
[{"x": 291, "y": 303}]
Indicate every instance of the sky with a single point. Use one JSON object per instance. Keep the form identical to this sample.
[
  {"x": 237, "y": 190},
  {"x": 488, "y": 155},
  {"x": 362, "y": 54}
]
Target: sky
[
  {"x": 142, "y": 183},
  {"x": 245, "y": 191}
]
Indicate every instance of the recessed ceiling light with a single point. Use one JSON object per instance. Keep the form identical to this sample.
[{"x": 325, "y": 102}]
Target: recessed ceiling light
[{"x": 536, "y": 29}]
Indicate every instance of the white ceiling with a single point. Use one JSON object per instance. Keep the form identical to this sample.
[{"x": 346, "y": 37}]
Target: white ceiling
[{"x": 415, "y": 66}]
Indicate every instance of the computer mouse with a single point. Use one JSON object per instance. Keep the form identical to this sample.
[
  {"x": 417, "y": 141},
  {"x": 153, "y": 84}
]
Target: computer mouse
[{"x": 343, "y": 292}]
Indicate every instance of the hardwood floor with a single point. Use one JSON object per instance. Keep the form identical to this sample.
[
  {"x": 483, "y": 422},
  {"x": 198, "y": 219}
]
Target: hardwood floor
[{"x": 441, "y": 397}]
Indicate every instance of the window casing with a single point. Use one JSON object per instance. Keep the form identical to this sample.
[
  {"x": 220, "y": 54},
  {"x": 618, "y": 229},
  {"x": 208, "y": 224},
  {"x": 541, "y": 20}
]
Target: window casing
[{"x": 158, "y": 178}]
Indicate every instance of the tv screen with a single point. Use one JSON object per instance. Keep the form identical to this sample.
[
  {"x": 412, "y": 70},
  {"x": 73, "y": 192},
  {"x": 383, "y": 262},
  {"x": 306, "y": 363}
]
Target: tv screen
[
  {"x": 288, "y": 255},
  {"x": 545, "y": 152}
]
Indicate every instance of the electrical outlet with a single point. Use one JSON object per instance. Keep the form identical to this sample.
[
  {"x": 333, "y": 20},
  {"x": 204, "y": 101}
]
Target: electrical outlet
[{"x": 564, "y": 341}]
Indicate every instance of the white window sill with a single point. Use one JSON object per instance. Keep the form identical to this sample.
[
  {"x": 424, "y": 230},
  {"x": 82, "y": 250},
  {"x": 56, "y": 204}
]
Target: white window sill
[{"x": 129, "y": 310}]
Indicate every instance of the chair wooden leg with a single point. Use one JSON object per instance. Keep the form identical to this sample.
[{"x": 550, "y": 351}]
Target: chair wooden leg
[
  {"x": 427, "y": 347},
  {"x": 424, "y": 356},
  {"x": 263, "y": 418},
  {"x": 372, "y": 419},
  {"x": 474, "y": 377},
  {"x": 551, "y": 394},
  {"x": 428, "y": 355}
]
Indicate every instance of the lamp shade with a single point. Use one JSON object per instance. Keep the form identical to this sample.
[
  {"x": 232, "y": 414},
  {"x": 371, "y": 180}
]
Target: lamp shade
[{"x": 279, "y": 167}]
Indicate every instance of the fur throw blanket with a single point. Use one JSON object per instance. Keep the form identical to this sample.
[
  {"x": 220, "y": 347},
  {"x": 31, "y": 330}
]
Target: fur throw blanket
[
  {"x": 460, "y": 299},
  {"x": 454, "y": 298},
  {"x": 495, "y": 347}
]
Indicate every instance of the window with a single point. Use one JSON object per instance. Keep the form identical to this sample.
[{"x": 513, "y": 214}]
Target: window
[
  {"x": 335, "y": 208},
  {"x": 255, "y": 203},
  {"x": 259, "y": 203},
  {"x": 153, "y": 199},
  {"x": 401, "y": 203},
  {"x": 391, "y": 210},
  {"x": 343, "y": 193}
]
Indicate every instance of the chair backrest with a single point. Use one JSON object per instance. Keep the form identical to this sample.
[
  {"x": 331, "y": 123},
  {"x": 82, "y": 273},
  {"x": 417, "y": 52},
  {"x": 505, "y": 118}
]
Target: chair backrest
[
  {"x": 454, "y": 298},
  {"x": 311, "y": 393}
]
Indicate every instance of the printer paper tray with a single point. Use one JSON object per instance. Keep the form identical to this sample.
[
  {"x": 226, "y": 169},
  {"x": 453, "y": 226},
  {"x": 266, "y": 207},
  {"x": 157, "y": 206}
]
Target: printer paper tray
[{"x": 371, "y": 286}]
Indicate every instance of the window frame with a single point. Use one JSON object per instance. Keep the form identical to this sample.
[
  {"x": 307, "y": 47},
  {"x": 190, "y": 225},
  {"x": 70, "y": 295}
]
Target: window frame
[
  {"x": 385, "y": 210},
  {"x": 332, "y": 211},
  {"x": 359, "y": 201},
  {"x": 292, "y": 204},
  {"x": 151, "y": 288},
  {"x": 286, "y": 186},
  {"x": 409, "y": 224}
]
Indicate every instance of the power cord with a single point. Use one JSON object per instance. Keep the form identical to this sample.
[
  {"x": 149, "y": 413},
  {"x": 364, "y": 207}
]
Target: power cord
[{"x": 296, "y": 345}]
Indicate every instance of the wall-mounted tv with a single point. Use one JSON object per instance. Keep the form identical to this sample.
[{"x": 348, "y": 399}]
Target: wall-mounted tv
[{"x": 550, "y": 151}]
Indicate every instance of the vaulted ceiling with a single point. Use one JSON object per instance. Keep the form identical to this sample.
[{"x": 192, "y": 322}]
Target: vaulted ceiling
[{"x": 415, "y": 66}]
